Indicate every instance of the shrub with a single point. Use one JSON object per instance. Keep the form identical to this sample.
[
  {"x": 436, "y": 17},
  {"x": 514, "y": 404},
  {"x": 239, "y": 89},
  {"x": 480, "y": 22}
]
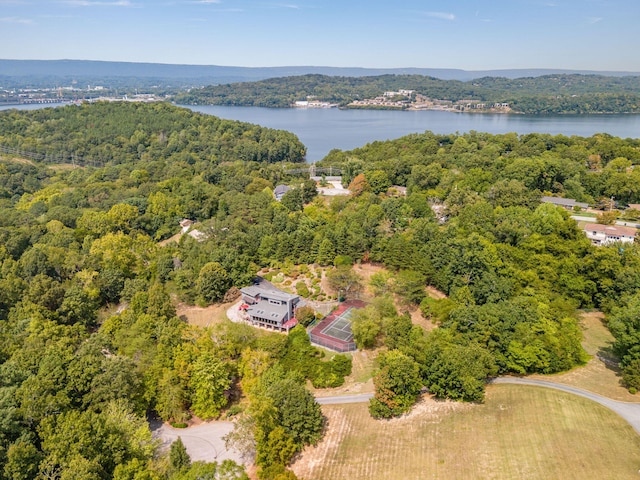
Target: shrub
[
  {"x": 269, "y": 275},
  {"x": 302, "y": 290},
  {"x": 234, "y": 410},
  {"x": 305, "y": 315},
  {"x": 331, "y": 374}
]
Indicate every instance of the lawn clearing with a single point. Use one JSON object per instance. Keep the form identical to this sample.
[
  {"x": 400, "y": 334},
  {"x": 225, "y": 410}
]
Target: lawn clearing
[
  {"x": 519, "y": 433},
  {"x": 601, "y": 374},
  {"x": 204, "y": 317},
  {"x": 360, "y": 380}
]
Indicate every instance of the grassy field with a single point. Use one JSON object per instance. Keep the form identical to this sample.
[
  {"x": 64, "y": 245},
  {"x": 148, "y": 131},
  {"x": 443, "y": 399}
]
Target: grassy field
[
  {"x": 204, "y": 316},
  {"x": 601, "y": 374},
  {"x": 519, "y": 433}
]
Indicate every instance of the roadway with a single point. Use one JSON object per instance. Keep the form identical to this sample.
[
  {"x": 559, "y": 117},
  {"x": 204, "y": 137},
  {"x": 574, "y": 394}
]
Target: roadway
[
  {"x": 629, "y": 411},
  {"x": 206, "y": 441},
  {"x": 620, "y": 223}
]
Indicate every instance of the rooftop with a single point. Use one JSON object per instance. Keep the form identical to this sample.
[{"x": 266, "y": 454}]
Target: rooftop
[
  {"x": 254, "y": 291},
  {"x": 611, "y": 230},
  {"x": 565, "y": 202}
]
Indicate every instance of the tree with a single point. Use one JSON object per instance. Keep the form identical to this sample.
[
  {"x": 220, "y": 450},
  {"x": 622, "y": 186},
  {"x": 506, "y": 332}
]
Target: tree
[
  {"x": 366, "y": 327},
  {"x": 380, "y": 283},
  {"x": 607, "y": 218},
  {"x": 378, "y": 181},
  {"x": 459, "y": 372},
  {"x": 309, "y": 190},
  {"x": 23, "y": 459},
  {"x": 209, "y": 381},
  {"x": 78, "y": 307},
  {"x": 305, "y": 315},
  {"x": 359, "y": 185},
  {"x": 213, "y": 282},
  {"x": 397, "y": 385},
  {"x": 179, "y": 459},
  {"x": 172, "y": 397},
  {"x": 326, "y": 252},
  {"x": 411, "y": 285},
  {"x": 293, "y": 200},
  {"x": 298, "y": 412},
  {"x": 344, "y": 280},
  {"x": 227, "y": 470}
]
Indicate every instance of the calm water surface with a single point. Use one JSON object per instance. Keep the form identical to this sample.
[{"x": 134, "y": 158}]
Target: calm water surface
[{"x": 322, "y": 130}]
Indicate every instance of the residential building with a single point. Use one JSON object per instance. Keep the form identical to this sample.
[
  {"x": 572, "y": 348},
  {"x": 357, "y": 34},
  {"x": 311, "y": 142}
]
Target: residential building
[
  {"x": 279, "y": 191},
  {"x": 566, "y": 203},
  {"x": 269, "y": 307},
  {"x": 607, "y": 234}
]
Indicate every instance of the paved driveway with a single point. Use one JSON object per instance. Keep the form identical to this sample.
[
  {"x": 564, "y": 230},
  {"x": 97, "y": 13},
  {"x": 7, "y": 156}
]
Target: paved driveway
[
  {"x": 629, "y": 411},
  {"x": 203, "y": 442}
]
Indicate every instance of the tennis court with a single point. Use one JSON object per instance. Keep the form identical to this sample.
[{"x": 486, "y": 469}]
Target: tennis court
[
  {"x": 341, "y": 327},
  {"x": 334, "y": 330}
]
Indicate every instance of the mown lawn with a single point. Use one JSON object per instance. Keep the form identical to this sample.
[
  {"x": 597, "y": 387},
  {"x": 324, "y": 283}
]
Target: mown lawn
[
  {"x": 601, "y": 374},
  {"x": 520, "y": 432}
]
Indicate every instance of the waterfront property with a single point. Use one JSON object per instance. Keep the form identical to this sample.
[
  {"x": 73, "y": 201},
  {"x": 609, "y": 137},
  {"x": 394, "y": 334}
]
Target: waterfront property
[
  {"x": 607, "y": 234},
  {"x": 270, "y": 307}
]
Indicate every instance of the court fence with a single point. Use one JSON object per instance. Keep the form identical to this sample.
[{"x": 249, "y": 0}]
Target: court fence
[{"x": 335, "y": 345}]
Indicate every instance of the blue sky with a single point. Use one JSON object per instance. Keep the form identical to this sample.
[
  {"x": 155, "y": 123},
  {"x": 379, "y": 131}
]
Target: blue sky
[{"x": 466, "y": 34}]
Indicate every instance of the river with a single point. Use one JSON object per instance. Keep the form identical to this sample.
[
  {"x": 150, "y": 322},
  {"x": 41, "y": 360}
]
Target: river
[{"x": 322, "y": 130}]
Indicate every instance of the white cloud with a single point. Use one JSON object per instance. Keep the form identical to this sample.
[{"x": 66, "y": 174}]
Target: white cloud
[
  {"x": 88, "y": 3},
  {"x": 592, "y": 20},
  {"x": 23, "y": 21},
  {"x": 440, "y": 15}
]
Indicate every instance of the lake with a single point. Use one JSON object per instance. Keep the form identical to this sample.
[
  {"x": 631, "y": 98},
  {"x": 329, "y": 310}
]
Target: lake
[{"x": 324, "y": 129}]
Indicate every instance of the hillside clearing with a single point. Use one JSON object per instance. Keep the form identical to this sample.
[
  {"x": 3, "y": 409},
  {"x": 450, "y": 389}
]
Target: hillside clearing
[
  {"x": 601, "y": 374},
  {"x": 520, "y": 432}
]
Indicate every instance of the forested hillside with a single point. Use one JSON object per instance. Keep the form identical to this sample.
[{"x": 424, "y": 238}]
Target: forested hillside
[
  {"x": 107, "y": 134},
  {"x": 534, "y": 95},
  {"x": 78, "y": 375}
]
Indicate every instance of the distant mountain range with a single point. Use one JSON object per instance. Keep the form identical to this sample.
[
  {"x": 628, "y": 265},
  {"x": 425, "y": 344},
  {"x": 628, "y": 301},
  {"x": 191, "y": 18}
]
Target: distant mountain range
[{"x": 94, "y": 71}]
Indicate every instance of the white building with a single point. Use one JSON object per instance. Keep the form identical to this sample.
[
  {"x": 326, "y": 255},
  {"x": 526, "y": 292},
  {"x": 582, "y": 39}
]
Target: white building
[{"x": 607, "y": 234}]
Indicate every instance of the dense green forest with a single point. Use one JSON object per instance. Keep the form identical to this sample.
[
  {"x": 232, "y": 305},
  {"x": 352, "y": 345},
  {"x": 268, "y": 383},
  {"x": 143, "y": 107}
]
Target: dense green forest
[
  {"x": 78, "y": 376},
  {"x": 560, "y": 93}
]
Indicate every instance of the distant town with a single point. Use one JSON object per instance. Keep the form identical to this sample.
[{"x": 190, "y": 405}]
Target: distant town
[
  {"x": 64, "y": 94},
  {"x": 409, "y": 100}
]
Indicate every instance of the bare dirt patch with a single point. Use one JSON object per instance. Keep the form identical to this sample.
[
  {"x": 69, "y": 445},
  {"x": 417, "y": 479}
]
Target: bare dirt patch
[
  {"x": 21, "y": 160},
  {"x": 433, "y": 292},
  {"x": 174, "y": 239}
]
